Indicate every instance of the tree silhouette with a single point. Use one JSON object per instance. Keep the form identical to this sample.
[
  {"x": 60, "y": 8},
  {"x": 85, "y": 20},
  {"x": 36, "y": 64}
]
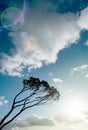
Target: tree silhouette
[{"x": 33, "y": 93}]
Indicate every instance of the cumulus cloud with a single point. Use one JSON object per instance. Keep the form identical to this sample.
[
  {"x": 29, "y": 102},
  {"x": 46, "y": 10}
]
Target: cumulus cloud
[
  {"x": 40, "y": 40},
  {"x": 3, "y": 101},
  {"x": 83, "y": 69},
  {"x": 33, "y": 121},
  {"x": 30, "y": 121},
  {"x": 57, "y": 80}
]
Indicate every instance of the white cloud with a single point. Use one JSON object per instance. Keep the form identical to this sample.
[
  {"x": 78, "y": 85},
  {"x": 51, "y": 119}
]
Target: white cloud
[
  {"x": 83, "y": 20},
  {"x": 83, "y": 70},
  {"x": 3, "y": 101},
  {"x": 2, "y": 97},
  {"x": 6, "y": 102},
  {"x": 57, "y": 80},
  {"x": 41, "y": 39}
]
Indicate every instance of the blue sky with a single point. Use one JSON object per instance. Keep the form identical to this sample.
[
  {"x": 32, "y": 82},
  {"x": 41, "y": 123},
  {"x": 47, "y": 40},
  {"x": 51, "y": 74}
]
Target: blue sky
[{"x": 49, "y": 40}]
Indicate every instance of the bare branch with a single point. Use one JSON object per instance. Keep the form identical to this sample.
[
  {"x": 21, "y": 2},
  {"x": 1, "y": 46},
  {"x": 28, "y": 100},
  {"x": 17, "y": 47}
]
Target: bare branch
[{"x": 25, "y": 98}]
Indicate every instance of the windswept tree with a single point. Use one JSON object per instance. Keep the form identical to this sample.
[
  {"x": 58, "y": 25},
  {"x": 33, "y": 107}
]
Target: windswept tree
[{"x": 33, "y": 93}]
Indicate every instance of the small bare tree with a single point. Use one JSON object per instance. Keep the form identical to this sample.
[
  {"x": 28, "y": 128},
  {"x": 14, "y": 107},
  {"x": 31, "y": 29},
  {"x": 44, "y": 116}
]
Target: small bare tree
[{"x": 33, "y": 93}]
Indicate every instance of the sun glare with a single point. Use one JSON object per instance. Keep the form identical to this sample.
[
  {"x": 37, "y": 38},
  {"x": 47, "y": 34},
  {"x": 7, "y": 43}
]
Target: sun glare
[{"x": 74, "y": 108}]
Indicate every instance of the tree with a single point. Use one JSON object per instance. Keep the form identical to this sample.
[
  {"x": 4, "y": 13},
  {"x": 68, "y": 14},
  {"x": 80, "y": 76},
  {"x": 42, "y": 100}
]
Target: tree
[{"x": 33, "y": 93}]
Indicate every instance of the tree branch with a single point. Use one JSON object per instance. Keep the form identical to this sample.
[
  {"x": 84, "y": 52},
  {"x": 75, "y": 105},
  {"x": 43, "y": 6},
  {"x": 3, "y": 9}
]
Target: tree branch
[
  {"x": 12, "y": 108},
  {"x": 40, "y": 93},
  {"x": 25, "y": 98},
  {"x": 11, "y": 119}
]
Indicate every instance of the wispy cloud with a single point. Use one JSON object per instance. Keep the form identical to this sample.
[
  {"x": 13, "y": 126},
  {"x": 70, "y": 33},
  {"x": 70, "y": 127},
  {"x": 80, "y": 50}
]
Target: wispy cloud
[
  {"x": 57, "y": 80},
  {"x": 39, "y": 42},
  {"x": 83, "y": 70}
]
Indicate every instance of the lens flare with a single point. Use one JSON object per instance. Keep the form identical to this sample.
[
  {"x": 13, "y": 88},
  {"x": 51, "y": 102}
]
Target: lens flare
[{"x": 12, "y": 18}]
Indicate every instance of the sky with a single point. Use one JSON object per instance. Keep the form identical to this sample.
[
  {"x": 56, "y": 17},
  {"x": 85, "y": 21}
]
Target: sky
[{"x": 47, "y": 39}]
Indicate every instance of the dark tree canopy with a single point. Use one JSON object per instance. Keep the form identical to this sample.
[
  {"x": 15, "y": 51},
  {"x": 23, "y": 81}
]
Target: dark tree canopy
[{"x": 33, "y": 93}]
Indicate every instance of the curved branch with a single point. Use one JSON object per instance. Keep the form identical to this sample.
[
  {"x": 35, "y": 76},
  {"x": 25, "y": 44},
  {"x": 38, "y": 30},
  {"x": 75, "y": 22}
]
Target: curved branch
[
  {"x": 11, "y": 119},
  {"x": 12, "y": 108},
  {"x": 26, "y": 103}
]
